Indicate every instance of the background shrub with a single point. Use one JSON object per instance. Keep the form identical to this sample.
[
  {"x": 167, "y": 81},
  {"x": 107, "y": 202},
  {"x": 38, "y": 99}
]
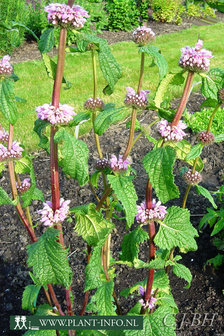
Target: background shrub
[
  {"x": 167, "y": 10},
  {"x": 122, "y": 14}
]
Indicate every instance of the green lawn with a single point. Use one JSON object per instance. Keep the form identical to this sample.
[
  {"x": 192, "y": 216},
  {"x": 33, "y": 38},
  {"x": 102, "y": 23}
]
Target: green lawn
[{"x": 36, "y": 88}]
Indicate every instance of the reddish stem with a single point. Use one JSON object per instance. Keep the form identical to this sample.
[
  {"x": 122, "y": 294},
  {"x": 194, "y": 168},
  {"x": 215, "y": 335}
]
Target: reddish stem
[
  {"x": 55, "y": 300},
  {"x": 151, "y": 243},
  {"x": 184, "y": 98}
]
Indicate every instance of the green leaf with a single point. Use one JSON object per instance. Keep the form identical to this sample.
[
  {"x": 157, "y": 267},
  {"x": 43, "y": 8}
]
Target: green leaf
[
  {"x": 8, "y": 101},
  {"x": 104, "y": 299},
  {"x": 40, "y": 129},
  {"x": 162, "y": 88},
  {"x": 45, "y": 310},
  {"x": 4, "y": 198},
  {"x": 94, "y": 178},
  {"x": 194, "y": 152},
  {"x": 176, "y": 230},
  {"x": 182, "y": 149},
  {"x": 110, "y": 69},
  {"x": 2, "y": 167},
  {"x": 130, "y": 244},
  {"x": 110, "y": 115},
  {"x": 209, "y": 88},
  {"x": 209, "y": 103},
  {"x": 23, "y": 165},
  {"x": 166, "y": 299},
  {"x": 217, "y": 75},
  {"x": 93, "y": 269},
  {"x": 127, "y": 291},
  {"x": 160, "y": 280},
  {"x": 201, "y": 190},
  {"x": 159, "y": 165},
  {"x": 49, "y": 259},
  {"x": 126, "y": 194},
  {"x": 74, "y": 153},
  {"x": 159, "y": 323},
  {"x": 218, "y": 227},
  {"x": 46, "y": 41},
  {"x": 159, "y": 60},
  {"x": 29, "y": 299},
  {"x": 167, "y": 114},
  {"x": 92, "y": 226},
  {"x": 82, "y": 116},
  {"x": 217, "y": 261},
  {"x": 219, "y": 138},
  {"x": 19, "y": 24},
  {"x": 51, "y": 68},
  {"x": 183, "y": 272}
]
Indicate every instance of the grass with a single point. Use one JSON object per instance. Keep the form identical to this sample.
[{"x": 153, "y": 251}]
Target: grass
[{"x": 36, "y": 87}]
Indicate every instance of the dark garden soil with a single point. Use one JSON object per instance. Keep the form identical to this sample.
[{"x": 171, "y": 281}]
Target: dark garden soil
[{"x": 204, "y": 299}]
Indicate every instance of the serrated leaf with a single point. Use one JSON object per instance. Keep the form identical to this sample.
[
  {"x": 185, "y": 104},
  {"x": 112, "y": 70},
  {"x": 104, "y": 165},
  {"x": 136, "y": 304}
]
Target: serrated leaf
[
  {"x": 2, "y": 167},
  {"x": 219, "y": 138},
  {"x": 183, "y": 272},
  {"x": 45, "y": 310},
  {"x": 159, "y": 165},
  {"x": 92, "y": 226},
  {"x": 93, "y": 269},
  {"x": 157, "y": 263},
  {"x": 23, "y": 165},
  {"x": 161, "y": 280},
  {"x": 182, "y": 149},
  {"x": 130, "y": 244},
  {"x": 94, "y": 178},
  {"x": 201, "y": 190},
  {"x": 109, "y": 67},
  {"x": 217, "y": 75},
  {"x": 209, "y": 88},
  {"x": 158, "y": 58},
  {"x": 104, "y": 299},
  {"x": 29, "y": 299},
  {"x": 8, "y": 101},
  {"x": 4, "y": 198},
  {"x": 176, "y": 230},
  {"x": 166, "y": 299},
  {"x": 74, "y": 153},
  {"x": 49, "y": 259},
  {"x": 126, "y": 194},
  {"x": 194, "y": 152},
  {"x": 46, "y": 41},
  {"x": 159, "y": 323},
  {"x": 107, "y": 117},
  {"x": 40, "y": 128}
]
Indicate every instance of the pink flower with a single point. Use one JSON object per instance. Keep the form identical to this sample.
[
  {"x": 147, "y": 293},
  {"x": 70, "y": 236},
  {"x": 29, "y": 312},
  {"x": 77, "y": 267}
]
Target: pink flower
[
  {"x": 25, "y": 185},
  {"x": 143, "y": 35},
  {"x": 49, "y": 217},
  {"x": 4, "y": 136},
  {"x": 61, "y": 115},
  {"x": 94, "y": 104},
  {"x": 195, "y": 59},
  {"x": 135, "y": 100},
  {"x": 149, "y": 303},
  {"x": 174, "y": 133},
  {"x": 65, "y": 16},
  {"x": 5, "y": 67},
  {"x": 119, "y": 163},
  {"x": 157, "y": 212},
  {"x": 14, "y": 153}
]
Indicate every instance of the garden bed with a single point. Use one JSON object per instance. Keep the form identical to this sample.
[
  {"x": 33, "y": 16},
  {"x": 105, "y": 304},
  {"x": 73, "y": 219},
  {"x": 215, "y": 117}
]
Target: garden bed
[{"x": 205, "y": 294}]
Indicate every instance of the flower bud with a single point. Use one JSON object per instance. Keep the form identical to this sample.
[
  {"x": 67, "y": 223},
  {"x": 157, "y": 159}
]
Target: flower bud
[
  {"x": 206, "y": 138},
  {"x": 94, "y": 104},
  {"x": 25, "y": 185},
  {"x": 143, "y": 35},
  {"x": 134, "y": 100},
  {"x": 192, "y": 178},
  {"x": 102, "y": 164}
]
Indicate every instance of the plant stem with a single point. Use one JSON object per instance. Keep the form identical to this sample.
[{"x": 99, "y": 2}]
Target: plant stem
[
  {"x": 87, "y": 292},
  {"x": 184, "y": 98},
  {"x": 212, "y": 117},
  {"x": 134, "y": 111},
  {"x": 186, "y": 196},
  {"x": 55, "y": 300},
  {"x": 151, "y": 243}
]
